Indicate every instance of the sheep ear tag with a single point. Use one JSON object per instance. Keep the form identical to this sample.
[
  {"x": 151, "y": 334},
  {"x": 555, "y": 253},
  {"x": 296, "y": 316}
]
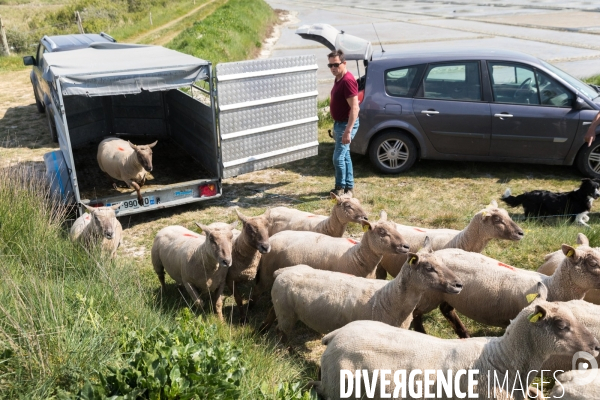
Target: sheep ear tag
[
  {"x": 485, "y": 214},
  {"x": 334, "y": 201},
  {"x": 531, "y": 297},
  {"x": 570, "y": 253},
  {"x": 365, "y": 228},
  {"x": 535, "y": 317},
  {"x": 412, "y": 260}
]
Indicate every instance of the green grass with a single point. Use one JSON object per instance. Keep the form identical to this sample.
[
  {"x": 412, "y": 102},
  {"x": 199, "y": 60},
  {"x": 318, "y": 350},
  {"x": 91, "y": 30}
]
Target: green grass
[
  {"x": 593, "y": 80},
  {"x": 232, "y": 33},
  {"x": 12, "y": 63}
]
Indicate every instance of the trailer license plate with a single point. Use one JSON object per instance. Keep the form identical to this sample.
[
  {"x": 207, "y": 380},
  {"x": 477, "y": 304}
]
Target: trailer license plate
[{"x": 129, "y": 204}]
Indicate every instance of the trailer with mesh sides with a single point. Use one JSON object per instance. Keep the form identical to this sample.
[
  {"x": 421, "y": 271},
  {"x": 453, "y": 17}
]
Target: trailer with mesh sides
[{"x": 210, "y": 125}]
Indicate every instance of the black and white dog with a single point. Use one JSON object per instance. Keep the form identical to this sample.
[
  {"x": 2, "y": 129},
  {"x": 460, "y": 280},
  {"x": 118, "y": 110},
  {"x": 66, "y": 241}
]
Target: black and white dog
[{"x": 576, "y": 203}]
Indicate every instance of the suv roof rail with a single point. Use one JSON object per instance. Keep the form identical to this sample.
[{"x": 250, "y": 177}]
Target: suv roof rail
[
  {"x": 52, "y": 44},
  {"x": 106, "y": 35}
]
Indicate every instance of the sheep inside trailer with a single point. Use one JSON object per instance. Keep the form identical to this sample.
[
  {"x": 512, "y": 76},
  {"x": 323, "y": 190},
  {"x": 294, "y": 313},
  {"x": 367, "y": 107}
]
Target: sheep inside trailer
[{"x": 266, "y": 112}]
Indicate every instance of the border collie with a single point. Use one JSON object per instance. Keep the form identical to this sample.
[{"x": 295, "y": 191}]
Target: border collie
[{"x": 576, "y": 203}]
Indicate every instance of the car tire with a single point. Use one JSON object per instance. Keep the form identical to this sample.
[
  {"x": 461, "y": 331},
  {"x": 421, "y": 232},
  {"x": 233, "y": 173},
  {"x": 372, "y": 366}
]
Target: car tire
[
  {"x": 393, "y": 152},
  {"x": 588, "y": 159},
  {"x": 40, "y": 106},
  {"x": 52, "y": 127}
]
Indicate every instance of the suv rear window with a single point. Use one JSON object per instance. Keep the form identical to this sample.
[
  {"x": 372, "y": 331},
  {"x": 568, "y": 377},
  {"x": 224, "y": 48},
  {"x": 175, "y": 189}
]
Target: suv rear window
[{"x": 403, "y": 82}]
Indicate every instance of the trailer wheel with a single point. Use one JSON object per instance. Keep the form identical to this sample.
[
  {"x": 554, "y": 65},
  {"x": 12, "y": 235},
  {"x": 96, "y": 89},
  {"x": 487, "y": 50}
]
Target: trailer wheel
[{"x": 52, "y": 127}]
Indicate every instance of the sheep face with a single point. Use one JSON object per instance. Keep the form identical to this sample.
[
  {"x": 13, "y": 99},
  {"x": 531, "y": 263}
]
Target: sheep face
[
  {"x": 256, "y": 230},
  {"x": 384, "y": 238},
  {"x": 144, "y": 154},
  {"x": 498, "y": 223},
  {"x": 583, "y": 266},
  {"x": 554, "y": 326},
  {"x": 428, "y": 272},
  {"x": 103, "y": 220},
  {"x": 220, "y": 239},
  {"x": 348, "y": 209}
]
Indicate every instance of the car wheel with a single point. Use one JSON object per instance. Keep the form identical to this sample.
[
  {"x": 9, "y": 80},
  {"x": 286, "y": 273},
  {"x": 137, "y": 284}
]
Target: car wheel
[
  {"x": 393, "y": 152},
  {"x": 52, "y": 127},
  {"x": 588, "y": 160},
  {"x": 40, "y": 106}
]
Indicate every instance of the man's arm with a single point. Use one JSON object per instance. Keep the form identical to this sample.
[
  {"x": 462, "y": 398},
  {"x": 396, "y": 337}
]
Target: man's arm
[
  {"x": 353, "y": 103},
  {"x": 590, "y": 135}
]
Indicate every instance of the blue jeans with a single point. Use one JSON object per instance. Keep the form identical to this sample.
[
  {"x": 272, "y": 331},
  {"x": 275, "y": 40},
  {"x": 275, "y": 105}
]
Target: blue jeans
[{"x": 344, "y": 174}]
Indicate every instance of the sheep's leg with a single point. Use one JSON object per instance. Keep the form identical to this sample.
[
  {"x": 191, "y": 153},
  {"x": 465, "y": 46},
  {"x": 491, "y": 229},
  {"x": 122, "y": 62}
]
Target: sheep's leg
[
  {"x": 380, "y": 273},
  {"x": 198, "y": 303},
  {"x": 238, "y": 299},
  {"x": 271, "y": 317},
  {"x": 218, "y": 302},
  {"x": 449, "y": 313},
  {"x": 417, "y": 323}
]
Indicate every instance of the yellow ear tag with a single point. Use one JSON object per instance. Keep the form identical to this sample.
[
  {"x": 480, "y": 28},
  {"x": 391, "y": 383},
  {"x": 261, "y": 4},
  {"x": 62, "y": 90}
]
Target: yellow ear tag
[
  {"x": 485, "y": 214},
  {"x": 412, "y": 260},
  {"x": 365, "y": 228},
  {"x": 531, "y": 297},
  {"x": 535, "y": 317},
  {"x": 570, "y": 253},
  {"x": 334, "y": 201}
]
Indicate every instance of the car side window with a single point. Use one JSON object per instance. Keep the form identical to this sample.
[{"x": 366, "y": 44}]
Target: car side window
[
  {"x": 553, "y": 93},
  {"x": 453, "y": 81},
  {"x": 513, "y": 83},
  {"x": 402, "y": 82}
]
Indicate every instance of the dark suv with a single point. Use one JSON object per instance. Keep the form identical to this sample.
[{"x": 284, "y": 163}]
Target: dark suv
[
  {"x": 474, "y": 104},
  {"x": 49, "y": 44}
]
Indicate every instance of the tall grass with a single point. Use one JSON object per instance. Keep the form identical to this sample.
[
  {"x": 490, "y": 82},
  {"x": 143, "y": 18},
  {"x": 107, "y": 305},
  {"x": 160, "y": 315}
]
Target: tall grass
[
  {"x": 232, "y": 33},
  {"x": 64, "y": 310}
]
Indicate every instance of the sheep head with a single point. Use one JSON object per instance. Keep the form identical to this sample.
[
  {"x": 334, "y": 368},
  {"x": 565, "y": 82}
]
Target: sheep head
[
  {"x": 582, "y": 265},
  {"x": 553, "y": 327},
  {"x": 383, "y": 237},
  {"x": 426, "y": 272},
  {"x": 103, "y": 220},
  {"x": 495, "y": 223},
  {"x": 255, "y": 230},
  {"x": 220, "y": 239},
  {"x": 348, "y": 209},
  {"x": 144, "y": 154}
]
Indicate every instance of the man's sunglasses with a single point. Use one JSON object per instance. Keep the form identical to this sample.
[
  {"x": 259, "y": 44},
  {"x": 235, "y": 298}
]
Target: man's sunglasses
[{"x": 334, "y": 65}]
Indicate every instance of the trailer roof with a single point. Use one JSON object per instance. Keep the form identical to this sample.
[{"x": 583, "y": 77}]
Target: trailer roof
[{"x": 105, "y": 69}]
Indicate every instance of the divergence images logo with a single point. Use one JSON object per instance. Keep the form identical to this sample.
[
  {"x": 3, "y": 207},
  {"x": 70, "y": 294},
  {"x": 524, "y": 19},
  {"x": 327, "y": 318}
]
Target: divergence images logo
[{"x": 590, "y": 364}]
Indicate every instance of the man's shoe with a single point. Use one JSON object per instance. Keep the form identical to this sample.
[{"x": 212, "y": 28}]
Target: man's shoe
[
  {"x": 338, "y": 191},
  {"x": 348, "y": 192}
]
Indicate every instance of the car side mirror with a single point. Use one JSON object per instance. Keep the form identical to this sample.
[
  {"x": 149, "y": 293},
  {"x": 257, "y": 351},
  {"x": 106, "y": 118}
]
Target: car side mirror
[
  {"x": 581, "y": 104},
  {"x": 29, "y": 60}
]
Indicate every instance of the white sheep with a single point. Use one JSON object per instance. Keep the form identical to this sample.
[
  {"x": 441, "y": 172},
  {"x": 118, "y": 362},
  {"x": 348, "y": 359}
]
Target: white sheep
[
  {"x": 320, "y": 251},
  {"x": 553, "y": 260},
  {"x": 345, "y": 210},
  {"x": 576, "y": 385},
  {"x": 248, "y": 247},
  {"x": 490, "y": 223},
  {"x": 99, "y": 225},
  {"x": 197, "y": 262},
  {"x": 326, "y": 300},
  {"x": 124, "y": 161},
  {"x": 538, "y": 332},
  {"x": 494, "y": 292}
]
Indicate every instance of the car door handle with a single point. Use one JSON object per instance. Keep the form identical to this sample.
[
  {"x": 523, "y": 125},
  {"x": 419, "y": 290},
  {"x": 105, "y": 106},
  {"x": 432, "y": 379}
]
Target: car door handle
[
  {"x": 428, "y": 112},
  {"x": 503, "y": 115}
]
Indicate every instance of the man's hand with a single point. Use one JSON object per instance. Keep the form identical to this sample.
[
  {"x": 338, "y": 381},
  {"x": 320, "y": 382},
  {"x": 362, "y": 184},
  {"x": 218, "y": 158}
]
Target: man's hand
[
  {"x": 590, "y": 135},
  {"x": 589, "y": 139},
  {"x": 346, "y": 137}
]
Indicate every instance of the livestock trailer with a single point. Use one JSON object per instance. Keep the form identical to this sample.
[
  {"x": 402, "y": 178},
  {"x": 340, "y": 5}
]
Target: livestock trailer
[{"x": 241, "y": 117}]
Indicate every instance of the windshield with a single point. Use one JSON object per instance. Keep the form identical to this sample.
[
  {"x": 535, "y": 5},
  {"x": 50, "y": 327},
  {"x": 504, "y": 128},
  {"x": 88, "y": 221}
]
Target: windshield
[{"x": 583, "y": 88}]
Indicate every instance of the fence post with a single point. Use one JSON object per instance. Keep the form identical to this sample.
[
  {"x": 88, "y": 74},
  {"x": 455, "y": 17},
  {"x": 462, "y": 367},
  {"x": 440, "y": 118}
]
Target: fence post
[
  {"x": 150, "y": 17},
  {"x": 79, "y": 24},
  {"x": 6, "y": 50}
]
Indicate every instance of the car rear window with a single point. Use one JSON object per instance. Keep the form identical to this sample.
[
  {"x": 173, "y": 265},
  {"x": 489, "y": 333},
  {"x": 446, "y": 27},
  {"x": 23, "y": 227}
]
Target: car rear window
[{"x": 403, "y": 82}]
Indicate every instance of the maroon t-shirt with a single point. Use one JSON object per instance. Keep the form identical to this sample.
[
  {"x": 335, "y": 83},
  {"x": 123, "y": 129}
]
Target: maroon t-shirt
[{"x": 342, "y": 90}]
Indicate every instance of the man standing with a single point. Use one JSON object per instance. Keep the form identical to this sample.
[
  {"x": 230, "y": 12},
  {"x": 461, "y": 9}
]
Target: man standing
[
  {"x": 590, "y": 135},
  {"x": 344, "y": 111}
]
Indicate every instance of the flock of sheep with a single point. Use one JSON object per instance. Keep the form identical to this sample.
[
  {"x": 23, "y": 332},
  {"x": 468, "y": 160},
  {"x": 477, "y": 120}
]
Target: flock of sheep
[{"x": 328, "y": 282}]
